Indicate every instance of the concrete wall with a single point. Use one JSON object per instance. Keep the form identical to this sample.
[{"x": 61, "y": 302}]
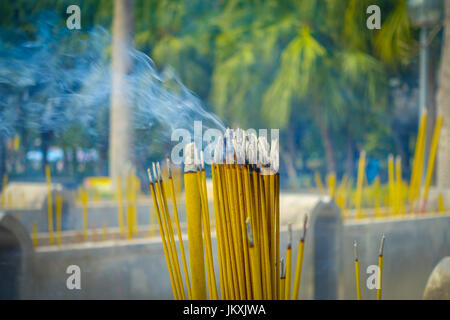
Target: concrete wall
[{"x": 136, "y": 269}]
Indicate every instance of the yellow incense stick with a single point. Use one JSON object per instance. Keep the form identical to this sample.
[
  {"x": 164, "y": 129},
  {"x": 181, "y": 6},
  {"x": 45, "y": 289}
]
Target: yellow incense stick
[
  {"x": 212, "y": 288},
  {"x": 163, "y": 236},
  {"x": 358, "y": 286},
  {"x": 34, "y": 235},
  {"x": 85, "y": 214},
  {"x": 104, "y": 231},
  {"x": 282, "y": 280},
  {"x": 194, "y": 225},
  {"x": 377, "y": 197},
  {"x": 399, "y": 185},
  {"x": 59, "y": 202},
  {"x": 120, "y": 206},
  {"x": 319, "y": 183},
  {"x": 391, "y": 184},
  {"x": 167, "y": 222},
  {"x": 49, "y": 204},
  {"x": 331, "y": 183},
  {"x": 177, "y": 221},
  {"x": 287, "y": 294},
  {"x": 299, "y": 265},
  {"x": 441, "y": 203},
  {"x": 431, "y": 160},
  {"x": 418, "y": 156},
  {"x": 255, "y": 267},
  {"x": 380, "y": 269},
  {"x": 359, "y": 183}
]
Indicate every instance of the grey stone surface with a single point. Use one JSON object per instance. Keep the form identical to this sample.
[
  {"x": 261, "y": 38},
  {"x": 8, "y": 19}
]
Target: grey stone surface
[
  {"x": 438, "y": 284},
  {"x": 16, "y": 254},
  {"x": 136, "y": 269}
]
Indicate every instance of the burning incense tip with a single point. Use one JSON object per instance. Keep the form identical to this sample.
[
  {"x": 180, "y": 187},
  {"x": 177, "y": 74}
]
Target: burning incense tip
[
  {"x": 355, "y": 250},
  {"x": 149, "y": 173},
  {"x": 305, "y": 221},
  {"x": 263, "y": 147},
  {"x": 189, "y": 158},
  {"x": 158, "y": 167},
  {"x": 283, "y": 269},
  {"x": 289, "y": 235},
  {"x": 202, "y": 160},
  {"x": 218, "y": 151},
  {"x": 169, "y": 171},
  {"x": 382, "y": 245},
  {"x": 249, "y": 232}
]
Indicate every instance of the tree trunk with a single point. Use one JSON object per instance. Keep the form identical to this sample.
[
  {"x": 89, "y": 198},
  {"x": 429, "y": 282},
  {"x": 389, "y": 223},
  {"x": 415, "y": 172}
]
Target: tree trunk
[
  {"x": 46, "y": 139},
  {"x": 328, "y": 147},
  {"x": 349, "y": 156},
  {"x": 120, "y": 134},
  {"x": 443, "y": 103}
]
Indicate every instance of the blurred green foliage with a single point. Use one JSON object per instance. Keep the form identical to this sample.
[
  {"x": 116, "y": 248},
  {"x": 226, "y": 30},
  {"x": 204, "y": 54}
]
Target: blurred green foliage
[{"x": 308, "y": 67}]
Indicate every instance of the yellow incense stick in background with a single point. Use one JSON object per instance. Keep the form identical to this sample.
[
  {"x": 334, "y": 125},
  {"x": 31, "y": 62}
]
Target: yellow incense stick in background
[
  {"x": 431, "y": 160},
  {"x": 358, "y": 286},
  {"x": 359, "y": 183},
  {"x": 441, "y": 208},
  {"x": 376, "y": 196},
  {"x": 84, "y": 202},
  {"x": 319, "y": 183},
  {"x": 49, "y": 204},
  {"x": 104, "y": 231},
  {"x": 299, "y": 265},
  {"x": 331, "y": 184},
  {"x": 399, "y": 185},
  {"x": 391, "y": 184},
  {"x": 380, "y": 269},
  {"x": 416, "y": 174},
  {"x": 59, "y": 202},
  {"x": 120, "y": 206},
  {"x": 34, "y": 235}
]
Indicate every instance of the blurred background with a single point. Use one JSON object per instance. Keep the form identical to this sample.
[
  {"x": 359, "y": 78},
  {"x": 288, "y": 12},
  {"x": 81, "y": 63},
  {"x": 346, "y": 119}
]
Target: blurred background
[{"x": 311, "y": 68}]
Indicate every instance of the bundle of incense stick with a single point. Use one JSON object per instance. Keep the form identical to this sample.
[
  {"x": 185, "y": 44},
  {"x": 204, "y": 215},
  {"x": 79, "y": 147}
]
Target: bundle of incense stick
[{"x": 246, "y": 193}]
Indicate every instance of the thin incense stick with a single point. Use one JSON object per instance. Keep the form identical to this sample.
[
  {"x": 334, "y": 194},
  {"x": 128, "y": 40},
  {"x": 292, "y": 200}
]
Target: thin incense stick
[
  {"x": 120, "y": 206},
  {"x": 380, "y": 269},
  {"x": 255, "y": 267},
  {"x": 288, "y": 264},
  {"x": 431, "y": 160},
  {"x": 167, "y": 221},
  {"x": 298, "y": 267},
  {"x": 358, "y": 287},
  {"x": 59, "y": 202},
  {"x": 282, "y": 279},
  {"x": 359, "y": 183},
  {"x": 441, "y": 208},
  {"x": 49, "y": 204},
  {"x": 391, "y": 184},
  {"x": 163, "y": 236},
  {"x": 84, "y": 202},
  {"x": 34, "y": 235},
  {"x": 418, "y": 156},
  {"x": 177, "y": 221}
]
